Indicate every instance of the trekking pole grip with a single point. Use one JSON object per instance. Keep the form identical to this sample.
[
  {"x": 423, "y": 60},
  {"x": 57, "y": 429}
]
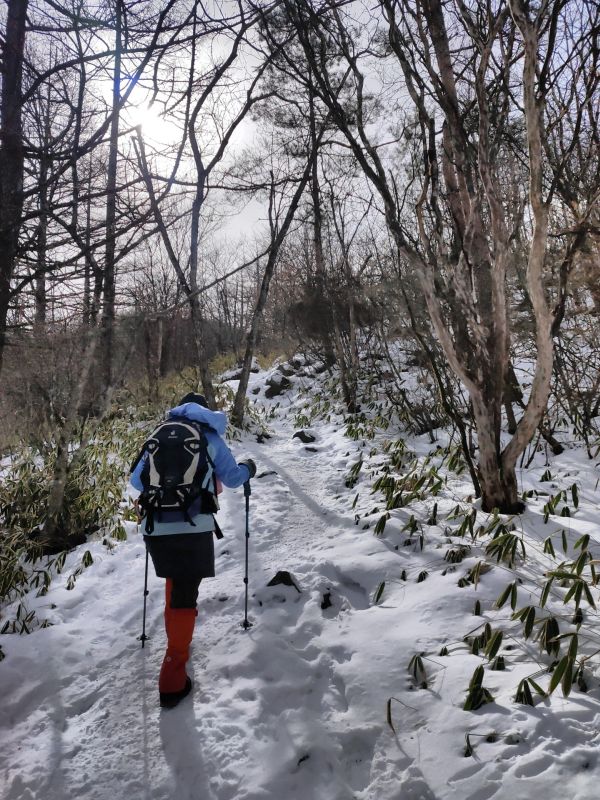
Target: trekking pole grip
[{"x": 247, "y": 490}]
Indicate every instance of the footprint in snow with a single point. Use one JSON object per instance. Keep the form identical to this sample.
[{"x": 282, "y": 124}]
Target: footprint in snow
[{"x": 413, "y": 786}]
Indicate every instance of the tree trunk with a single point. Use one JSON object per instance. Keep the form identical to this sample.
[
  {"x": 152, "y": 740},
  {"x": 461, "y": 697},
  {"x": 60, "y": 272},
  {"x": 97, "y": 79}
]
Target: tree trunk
[
  {"x": 317, "y": 230},
  {"x": 55, "y": 537},
  {"x": 348, "y": 393},
  {"x": 42, "y": 232},
  {"x": 203, "y": 368},
  {"x": 497, "y": 480},
  {"x": 11, "y": 154},
  {"x": 237, "y": 416},
  {"x": 194, "y": 300},
  {"x": 109, "y": 277},
  {"x": 468, "y": 281},
  {"x": 42, "y": 238},
  {"x": 353, "y": 344},
  {"x": 153, "y": 342},
  {"x": 540, "y": 389}
]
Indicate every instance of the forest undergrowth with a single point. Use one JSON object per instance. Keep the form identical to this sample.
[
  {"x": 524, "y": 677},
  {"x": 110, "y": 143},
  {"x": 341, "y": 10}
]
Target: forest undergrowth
[{"x": 533, "y": 576}]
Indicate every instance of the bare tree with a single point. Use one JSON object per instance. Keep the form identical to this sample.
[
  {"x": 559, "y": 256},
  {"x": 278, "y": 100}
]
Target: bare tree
[
  {"x": 279, "y": 231},
  {"x": 199, "y": 115},
  {"x": 11, "y": 153},
  {"x": 459, "y": 73}
]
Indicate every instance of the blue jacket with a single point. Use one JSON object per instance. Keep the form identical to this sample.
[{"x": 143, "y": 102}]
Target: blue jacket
[{"x": 227, "y": 471}]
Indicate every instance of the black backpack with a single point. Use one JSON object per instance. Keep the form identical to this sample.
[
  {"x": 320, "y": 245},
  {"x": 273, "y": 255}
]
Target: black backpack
[{"x": 178, "y": 471}]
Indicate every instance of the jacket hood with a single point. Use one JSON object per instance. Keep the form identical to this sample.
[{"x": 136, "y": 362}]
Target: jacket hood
[{"x": 216, "y": 419}]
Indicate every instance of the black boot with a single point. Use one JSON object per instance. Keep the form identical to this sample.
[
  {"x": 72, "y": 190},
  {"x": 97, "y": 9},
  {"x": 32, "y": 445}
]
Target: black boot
[{"x": 171, "y": 699}]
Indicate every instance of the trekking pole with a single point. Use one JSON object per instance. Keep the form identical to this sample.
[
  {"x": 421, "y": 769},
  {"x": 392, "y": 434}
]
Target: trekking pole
[
  {"x": 247, "y": 492},
  {"x": 143, "y": 637}
]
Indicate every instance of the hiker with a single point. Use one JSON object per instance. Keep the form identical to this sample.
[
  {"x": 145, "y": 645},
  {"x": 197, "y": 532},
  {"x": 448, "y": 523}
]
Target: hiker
[{"x": 179, "y": 524}]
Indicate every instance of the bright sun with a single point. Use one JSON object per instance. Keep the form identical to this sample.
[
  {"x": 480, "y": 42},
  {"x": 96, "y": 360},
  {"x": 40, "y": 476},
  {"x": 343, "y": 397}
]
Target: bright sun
[{"x": 154, "y": 125}]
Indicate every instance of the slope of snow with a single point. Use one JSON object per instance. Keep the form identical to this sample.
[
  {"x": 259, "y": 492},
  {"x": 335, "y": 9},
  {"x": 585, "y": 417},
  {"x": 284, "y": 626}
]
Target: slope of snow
[{"x": 296, "y": 706}]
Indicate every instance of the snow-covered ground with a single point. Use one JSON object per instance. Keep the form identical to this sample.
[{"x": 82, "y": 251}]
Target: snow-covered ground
[{"x": 296, "y": 707}]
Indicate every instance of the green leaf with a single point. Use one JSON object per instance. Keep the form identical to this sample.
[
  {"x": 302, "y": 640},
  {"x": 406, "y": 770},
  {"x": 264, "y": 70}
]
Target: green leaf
[
  {"x": 389, "y": 714},
  {"x": 580, "y": 678},
  {"x": 570, "y": 593},
  {"x": 549, "y": 635},
  {"x": 581, "y": 562},
  {"x": 468, "y": 747},
  {"x": 545, "y": 592},
  {"x": 549, "y": 547},
  {"x": 415, "y": 665},
  {"x": 572, "y": 654},
  {"x": 380, "y": 526},
  {"x": 379, "y": 592},
  {"x": 537, "y": 688},
  {"x": 494, "y": 645},
  {"x": 567, "y": 679},
  {"x": 588, "y": 595},
  {"x": 504, "y": 596},
  {"x": 476, "y": 679},
  {"x": 521, "y": 613},
  {"x": 523, "y": 694},
  {"x": 529, "y": 622},
  {"x": 575, "y": 495},
  {"x": 558, "y": 673},
  {"x": 562, "y": 575},
  {"x": 433, "y": 518},
  {"x": 477, "y": 697}
]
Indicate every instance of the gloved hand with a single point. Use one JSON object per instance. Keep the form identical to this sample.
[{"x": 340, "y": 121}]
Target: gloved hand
[
  {"x": 138, "y": 511},
  {"x": 251, "y": 466}
]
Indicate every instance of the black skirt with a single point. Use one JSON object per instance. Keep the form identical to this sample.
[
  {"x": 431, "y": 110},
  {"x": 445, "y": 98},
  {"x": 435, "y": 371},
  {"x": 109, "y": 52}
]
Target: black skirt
[{"x": 183, "y": 555}]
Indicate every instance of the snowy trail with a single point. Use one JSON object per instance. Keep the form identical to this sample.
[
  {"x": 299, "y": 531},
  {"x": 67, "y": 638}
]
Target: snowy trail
[
  {"x": 294, "y": 707},
  {"x": 288, "y": 698},
  {"x": 264, "y": 702}
]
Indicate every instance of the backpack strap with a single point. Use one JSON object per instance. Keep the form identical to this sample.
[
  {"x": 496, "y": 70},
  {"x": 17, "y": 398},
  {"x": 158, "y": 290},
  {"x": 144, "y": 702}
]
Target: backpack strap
[{"x": 143, "y": 449}]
